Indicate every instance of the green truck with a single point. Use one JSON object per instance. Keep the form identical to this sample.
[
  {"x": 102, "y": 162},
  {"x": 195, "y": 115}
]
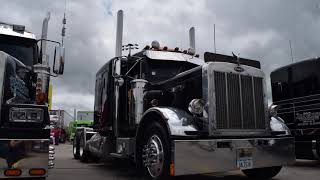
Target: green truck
[{"x": 84, "y": 119}]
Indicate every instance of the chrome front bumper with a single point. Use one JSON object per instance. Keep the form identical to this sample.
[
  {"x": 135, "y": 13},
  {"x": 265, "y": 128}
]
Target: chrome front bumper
[
  {"x": 25, "y": 154},
  {"x": 219, "y": 155}
]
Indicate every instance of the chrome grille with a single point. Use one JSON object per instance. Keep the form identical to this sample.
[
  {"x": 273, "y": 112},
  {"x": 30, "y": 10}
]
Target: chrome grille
[{"x": 239, "y": 101}]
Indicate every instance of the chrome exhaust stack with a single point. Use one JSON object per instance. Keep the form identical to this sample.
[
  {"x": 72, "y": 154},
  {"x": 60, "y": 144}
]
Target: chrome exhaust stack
[
  {"x": 119, "y": 33},
  {"x": 192, "y": 41},
  {"x": 44, "y": 35},
  {"x": 117, "y": 69},
  {"x": 42, "y": 69}
]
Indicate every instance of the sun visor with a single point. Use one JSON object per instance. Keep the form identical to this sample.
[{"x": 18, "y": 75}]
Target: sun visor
[
  {"x": 173, "y": 56},
  {"x": 213, "y": 57}
]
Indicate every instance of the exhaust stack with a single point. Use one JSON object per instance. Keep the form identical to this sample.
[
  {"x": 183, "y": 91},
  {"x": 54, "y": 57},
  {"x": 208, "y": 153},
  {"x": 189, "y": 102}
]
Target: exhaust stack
[
  {"x": 117, "y": 69},
  {"x": 119, "y": 33},
  {"x": 192, "y": 40},
  {"x": 42, "y": 69},
  {"x": 44, "y": 35}
]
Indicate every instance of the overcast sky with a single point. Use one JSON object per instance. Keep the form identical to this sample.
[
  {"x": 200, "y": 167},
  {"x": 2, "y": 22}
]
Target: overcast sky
[{"x": 254, "y": 29}]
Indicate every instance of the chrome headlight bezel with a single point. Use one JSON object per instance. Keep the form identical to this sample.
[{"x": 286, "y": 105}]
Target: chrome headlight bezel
[
  {"x": 34, "y": 115},
  {"x": 196, "y": 106},
  {"x": 273, "y": 110}
]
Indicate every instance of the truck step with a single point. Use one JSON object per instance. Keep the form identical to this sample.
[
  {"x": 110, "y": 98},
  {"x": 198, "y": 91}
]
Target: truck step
[{"x": 117, "y": 155}]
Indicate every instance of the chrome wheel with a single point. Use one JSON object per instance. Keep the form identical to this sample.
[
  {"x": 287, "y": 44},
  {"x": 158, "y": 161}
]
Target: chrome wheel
[
  {"x": 81, "y": 147},
  {"x": 74, "y": 147},
  {"x": 153, "y": 156}
]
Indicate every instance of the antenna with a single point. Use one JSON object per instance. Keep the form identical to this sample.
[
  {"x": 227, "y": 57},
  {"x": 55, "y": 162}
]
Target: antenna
[
  {"x": 64, "y": 22},
  {"x": 291, "y": 51},
  {"x": 214, "y": 38},
  {"x": 119, "y": 33}
]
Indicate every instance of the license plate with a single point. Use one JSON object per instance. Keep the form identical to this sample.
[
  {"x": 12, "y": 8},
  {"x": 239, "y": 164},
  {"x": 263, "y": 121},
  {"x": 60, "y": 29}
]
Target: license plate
[
  {"x": 244, "y": 158},
  {"x": 245, "y": 163}
]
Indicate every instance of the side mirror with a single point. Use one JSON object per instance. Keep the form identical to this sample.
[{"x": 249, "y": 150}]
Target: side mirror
[
  {"x": 115, "y": 72},
  {"x": 58, "y": 62}
]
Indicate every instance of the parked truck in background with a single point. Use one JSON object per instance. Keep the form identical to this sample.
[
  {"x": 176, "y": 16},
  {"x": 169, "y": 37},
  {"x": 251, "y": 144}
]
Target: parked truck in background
[
  {"x": 24, "y": 118},
  {"x": 59, "y": 122},
  {"x": 296, "y": 91},
  {"x": 84, "y": 119},
  {"x": 173, "y": 113}
]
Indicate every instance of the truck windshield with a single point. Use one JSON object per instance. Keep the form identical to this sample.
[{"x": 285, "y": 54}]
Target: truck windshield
[
  {"x": 85, "y": 115},
  {"x": 21, "y": 48},
  {"x": 160, "y": 70}
]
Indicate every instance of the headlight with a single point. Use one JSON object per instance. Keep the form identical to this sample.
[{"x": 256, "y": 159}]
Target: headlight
[
  {"x": 277, "y": 125},
  {"x": 26, "y": 115},
  {"x": 196, "y": 106},
  {"x": 273, "y": 110}
]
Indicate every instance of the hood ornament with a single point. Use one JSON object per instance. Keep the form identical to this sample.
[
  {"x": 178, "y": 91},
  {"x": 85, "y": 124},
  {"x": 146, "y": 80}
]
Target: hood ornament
[{"x": 238, "y": 68}]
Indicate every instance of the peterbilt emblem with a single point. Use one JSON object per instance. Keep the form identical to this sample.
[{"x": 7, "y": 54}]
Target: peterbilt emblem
[{"x": 239, "y": 69}]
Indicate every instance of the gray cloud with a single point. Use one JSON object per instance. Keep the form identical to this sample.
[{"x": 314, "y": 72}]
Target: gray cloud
[{"x": 255, "y": 29}]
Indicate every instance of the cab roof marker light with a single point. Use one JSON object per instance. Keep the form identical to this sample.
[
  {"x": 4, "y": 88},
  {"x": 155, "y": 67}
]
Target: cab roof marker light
[
  {"x": 147, "y": 47},
  {"x": 18, "y": 28},
  {"x": 155, "y": 45},
  {"x": 15, "y": 27}
]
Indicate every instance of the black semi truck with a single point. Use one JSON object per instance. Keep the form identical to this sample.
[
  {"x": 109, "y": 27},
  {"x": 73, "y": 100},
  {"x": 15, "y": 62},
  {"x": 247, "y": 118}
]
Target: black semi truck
[
  {"x": 173, "y": 113},
  {"x": 25, "y": 149},
  {"x": 296, "y": 90}
]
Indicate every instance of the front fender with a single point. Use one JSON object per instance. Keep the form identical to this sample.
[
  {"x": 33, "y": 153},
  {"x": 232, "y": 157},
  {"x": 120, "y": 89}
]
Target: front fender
[{"x": 176, "y": 120}]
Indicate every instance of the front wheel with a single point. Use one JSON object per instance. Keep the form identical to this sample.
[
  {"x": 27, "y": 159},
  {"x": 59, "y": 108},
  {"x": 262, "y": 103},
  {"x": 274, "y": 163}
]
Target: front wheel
[
  {"x": 76, "y": 147},
  {"x": 56, "y": 140},
  {"x": 154, "y": 152},
  {"x": 63, "y": 139},
  {"x": 262, "y": 173},
  {"x": 84, "y": 154}
]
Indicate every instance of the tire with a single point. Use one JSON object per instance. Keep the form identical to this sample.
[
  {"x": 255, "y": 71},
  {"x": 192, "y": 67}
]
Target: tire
[
  {"x": 154, "y": 134},
  {"x": 62, "y": 139},
  {"x": 84, "y": 156},
  {"x": 51, "y": 140},
  {"x": 57, "y": 140},
  {"x": 262, "y": 173},
  {"x": 76, "y": 147},
  {"x": 318, "y": 149}
]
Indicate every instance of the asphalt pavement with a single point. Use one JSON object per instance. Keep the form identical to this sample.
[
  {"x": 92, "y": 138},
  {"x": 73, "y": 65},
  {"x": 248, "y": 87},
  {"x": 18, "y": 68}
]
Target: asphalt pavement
[{"x": 68, "y": 168}]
